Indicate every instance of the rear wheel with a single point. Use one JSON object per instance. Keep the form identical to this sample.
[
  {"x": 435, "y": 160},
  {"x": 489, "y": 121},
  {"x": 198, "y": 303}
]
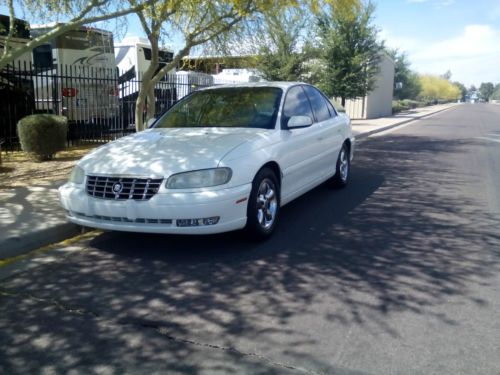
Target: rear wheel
[
  {"x": 343, "y": 168},
  {"x": 263, "y": 205}
]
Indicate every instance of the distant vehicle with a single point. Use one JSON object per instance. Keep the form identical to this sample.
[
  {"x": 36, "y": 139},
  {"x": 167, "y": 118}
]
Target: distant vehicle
[
  {"x": 16, "y": 85},
  {"x": 237, "y": 76},
  {"x": 223, "y": 158},
  {"x": 187, "y": 82},
  {"x": 21, "y": 36},
  {"x": 85, "y": 60},
  {"x": 133, "y": 58}
]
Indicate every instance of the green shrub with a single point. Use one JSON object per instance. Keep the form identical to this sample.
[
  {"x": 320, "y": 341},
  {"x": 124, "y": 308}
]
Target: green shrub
[
  {"x": 411, "y": 104},
  {"x": 407, "y": 104},
  {"x": 42, "y": 135},
  {"x": 398, "y": 106}
]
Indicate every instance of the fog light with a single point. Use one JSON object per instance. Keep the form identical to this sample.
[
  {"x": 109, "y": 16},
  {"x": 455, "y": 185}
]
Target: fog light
[
  {"x": 197, "y": 222},
  {"x": 211, "y": 220}
]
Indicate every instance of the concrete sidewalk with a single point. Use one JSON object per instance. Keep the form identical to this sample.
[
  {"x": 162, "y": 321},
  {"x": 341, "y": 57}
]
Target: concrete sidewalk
[
  {"x": 31, "y": 217},
  {"x": 364, "y": 128}
]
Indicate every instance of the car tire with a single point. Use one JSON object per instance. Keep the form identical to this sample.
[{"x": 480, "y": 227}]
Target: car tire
[
  {"x": 263, "y": 205},
  {"x": 342, "y": 168}
]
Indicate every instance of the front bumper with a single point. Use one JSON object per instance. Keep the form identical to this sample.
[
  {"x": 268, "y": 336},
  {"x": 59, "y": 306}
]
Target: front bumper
[{"x": 160, "y": 214}]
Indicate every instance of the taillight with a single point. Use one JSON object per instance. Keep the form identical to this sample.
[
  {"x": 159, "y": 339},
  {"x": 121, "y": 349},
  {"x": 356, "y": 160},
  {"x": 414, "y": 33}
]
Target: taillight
[{"x": 69, "y": 92}]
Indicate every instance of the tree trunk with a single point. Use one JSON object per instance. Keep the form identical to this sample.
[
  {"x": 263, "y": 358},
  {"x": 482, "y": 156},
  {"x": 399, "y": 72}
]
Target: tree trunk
[
  {"x": 151, "y": 104},
  {"x": 139, "y": 108},
  {"x": 342, "y": 101},
  {"x": 146, "y": 90}
]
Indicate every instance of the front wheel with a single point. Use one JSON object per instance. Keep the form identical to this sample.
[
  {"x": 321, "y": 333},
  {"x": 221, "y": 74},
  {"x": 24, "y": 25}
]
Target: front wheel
[
  {"x": 343, "y": 168},
  {"x": 263, "y": 205}
]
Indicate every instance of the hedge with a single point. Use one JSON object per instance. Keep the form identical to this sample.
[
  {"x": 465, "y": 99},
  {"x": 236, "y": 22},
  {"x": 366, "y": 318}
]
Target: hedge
[{"x": 42, "y": 135}]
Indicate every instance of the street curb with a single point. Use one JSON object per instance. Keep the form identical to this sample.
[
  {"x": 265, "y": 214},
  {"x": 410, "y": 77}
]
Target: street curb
[
  {"x": 403, "y": 122},
  {"x": 12, "y": 247}
]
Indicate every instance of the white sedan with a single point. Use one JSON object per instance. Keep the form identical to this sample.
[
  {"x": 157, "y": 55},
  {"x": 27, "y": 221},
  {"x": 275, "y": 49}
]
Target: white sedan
[{"x": 223, "y": 158}]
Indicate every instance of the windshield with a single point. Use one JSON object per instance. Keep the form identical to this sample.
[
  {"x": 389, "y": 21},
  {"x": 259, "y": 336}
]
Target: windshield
[{"x": 239, "y": 107}]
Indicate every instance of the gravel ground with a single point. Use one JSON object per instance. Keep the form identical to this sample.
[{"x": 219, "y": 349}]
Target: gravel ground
[{"x": 18, "y": 170}]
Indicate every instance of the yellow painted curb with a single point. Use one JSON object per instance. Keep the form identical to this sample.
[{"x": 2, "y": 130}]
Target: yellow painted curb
[{"x": 45, "y": 249}]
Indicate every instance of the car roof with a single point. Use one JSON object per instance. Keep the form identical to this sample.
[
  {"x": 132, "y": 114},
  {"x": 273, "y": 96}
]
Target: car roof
[{"x": 280, "y": 84}]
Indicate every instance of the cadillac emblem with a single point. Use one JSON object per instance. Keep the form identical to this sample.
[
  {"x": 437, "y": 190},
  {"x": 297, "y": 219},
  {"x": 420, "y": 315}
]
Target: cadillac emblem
[{"x": 117, "y": 188}]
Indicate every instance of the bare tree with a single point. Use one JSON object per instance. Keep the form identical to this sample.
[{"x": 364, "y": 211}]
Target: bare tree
[
  {"x": 75, "y": 14},
  {"x": 197, "y": 21}
]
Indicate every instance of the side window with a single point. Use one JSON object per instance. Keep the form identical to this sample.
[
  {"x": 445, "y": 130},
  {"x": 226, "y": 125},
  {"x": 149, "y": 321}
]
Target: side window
[
  {"x": 147, "y": 54},
  {"x": 318, "y": 104},
  {"x": 296, "y": 104},
  {"x": 42, "y": 56},
  {"x": 331, "y": 108}
]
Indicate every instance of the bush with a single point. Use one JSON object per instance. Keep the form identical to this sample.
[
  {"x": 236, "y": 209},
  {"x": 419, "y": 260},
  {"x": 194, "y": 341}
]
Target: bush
[
  {"x": 411, "y": 104},
  {"x": 397, "y": 106},
  {"x": 496, "y": 94},
  {"x": 42, "y": 135},
  {"x": 407, "y": 104}
]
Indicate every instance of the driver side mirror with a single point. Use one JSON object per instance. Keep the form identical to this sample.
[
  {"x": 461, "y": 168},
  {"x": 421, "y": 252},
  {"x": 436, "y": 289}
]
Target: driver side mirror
[{"x": 296, "y": 122}]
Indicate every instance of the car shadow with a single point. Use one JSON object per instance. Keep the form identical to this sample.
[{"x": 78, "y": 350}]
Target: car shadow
[
  {"x": 400, "y": 239},
  {"x": 300, "y": 216}
]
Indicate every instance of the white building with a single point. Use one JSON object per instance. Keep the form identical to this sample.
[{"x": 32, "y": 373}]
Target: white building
[{"x": 377, "y": 103}]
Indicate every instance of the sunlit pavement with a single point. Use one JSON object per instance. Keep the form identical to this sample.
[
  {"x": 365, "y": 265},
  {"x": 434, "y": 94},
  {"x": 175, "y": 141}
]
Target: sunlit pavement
[{"x": 397, "y": 273}]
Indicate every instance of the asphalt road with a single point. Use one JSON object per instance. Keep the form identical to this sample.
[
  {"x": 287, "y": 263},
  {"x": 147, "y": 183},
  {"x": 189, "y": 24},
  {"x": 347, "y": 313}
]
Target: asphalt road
[{"x": 399, "y": 273}]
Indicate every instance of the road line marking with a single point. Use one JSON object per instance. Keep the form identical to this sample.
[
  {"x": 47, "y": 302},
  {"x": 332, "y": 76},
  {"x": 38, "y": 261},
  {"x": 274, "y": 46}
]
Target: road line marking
[{"x": 488, "y": 139}]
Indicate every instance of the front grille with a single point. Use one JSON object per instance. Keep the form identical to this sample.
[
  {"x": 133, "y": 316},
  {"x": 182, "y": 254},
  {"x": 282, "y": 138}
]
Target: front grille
[
  {"x": 123, "y": 219},
  {"x": 122, "y": 188}
]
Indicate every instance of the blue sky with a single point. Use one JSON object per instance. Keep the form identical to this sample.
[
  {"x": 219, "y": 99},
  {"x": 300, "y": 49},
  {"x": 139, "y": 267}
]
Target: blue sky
[
  {"x": 437, "y": 35},
  {"x": 440, "y": 35}
]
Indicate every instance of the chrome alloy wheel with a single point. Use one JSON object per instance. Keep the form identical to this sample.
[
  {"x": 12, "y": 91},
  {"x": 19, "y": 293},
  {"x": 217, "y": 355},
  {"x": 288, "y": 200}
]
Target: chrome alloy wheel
[
  {"x": 343, "y": 164},
  {"x": 267, "y": 203}
]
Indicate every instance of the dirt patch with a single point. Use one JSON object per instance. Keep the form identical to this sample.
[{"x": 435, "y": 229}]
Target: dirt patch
[{"x": 19, "y": 170}]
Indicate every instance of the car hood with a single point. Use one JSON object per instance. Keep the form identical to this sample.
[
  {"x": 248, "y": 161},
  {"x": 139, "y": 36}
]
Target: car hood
[{"x": 162, "y": 152}]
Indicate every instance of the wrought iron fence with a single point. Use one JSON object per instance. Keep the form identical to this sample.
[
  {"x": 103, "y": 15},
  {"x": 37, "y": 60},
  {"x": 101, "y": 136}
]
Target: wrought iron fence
[{"x": 99, "y": 102}]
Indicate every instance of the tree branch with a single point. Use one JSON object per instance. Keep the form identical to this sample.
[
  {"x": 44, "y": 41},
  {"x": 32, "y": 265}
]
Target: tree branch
[
  {"x": 76, "y": 22},
  {"x": 10, "y": 35}
]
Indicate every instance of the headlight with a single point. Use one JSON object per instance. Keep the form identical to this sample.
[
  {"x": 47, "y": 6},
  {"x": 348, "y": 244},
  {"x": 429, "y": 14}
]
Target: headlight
[
  {"x": 77, "y": 175},
  {"x": 198, "y": 179}
]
